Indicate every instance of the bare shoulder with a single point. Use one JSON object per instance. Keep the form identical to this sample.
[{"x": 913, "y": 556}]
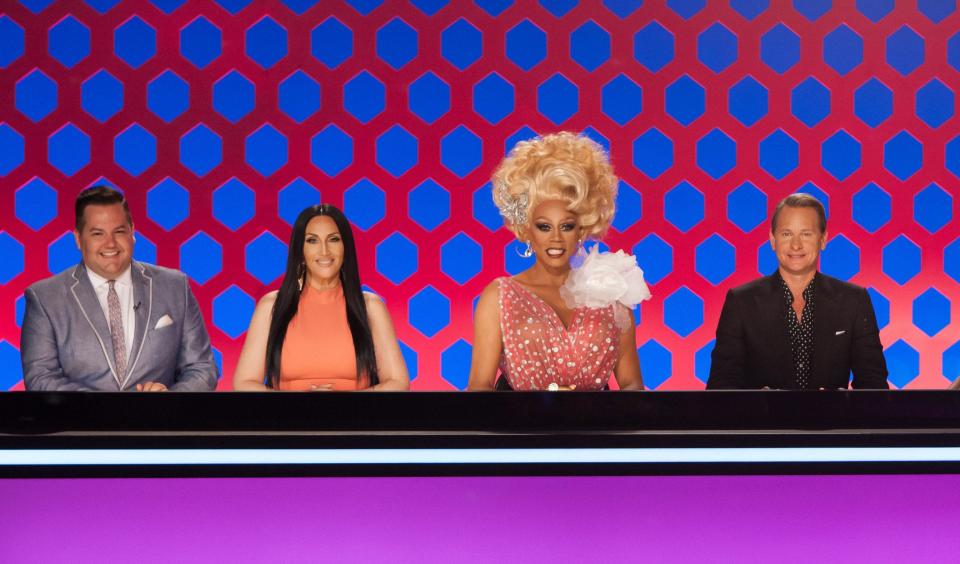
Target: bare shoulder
[
  {"x": 491, "y": 291},
  {"x": 374, "y": 303},
  {"x": 268, "y": 299}
]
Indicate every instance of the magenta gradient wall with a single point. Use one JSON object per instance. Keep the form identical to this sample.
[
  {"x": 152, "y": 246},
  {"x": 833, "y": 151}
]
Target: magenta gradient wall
[{"x": 221, "y": 120}]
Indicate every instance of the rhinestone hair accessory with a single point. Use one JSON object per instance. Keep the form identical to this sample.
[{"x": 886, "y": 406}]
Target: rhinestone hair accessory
[{"x": 512, "y": 208}]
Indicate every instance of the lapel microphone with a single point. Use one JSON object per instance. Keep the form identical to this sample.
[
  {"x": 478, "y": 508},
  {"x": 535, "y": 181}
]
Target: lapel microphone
[{"x": 136, "y": 307}]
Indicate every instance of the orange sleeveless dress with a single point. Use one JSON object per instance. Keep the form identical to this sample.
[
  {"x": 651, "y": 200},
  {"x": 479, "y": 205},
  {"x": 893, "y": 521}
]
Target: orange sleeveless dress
[{"x": 318, "y": 348}]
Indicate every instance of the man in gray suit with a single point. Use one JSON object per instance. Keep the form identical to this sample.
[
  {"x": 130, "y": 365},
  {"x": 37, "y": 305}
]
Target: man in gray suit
[{"x": 111, "y": 323}]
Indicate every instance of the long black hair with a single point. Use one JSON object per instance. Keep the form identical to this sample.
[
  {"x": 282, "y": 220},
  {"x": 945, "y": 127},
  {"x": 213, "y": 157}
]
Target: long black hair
[{"x": 288, "y": 298}]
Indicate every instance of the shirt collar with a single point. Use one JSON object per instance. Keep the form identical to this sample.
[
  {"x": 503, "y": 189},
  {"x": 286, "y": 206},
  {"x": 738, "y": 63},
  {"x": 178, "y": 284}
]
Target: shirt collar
[
  {"x": 807, "y": 292},
  {"x": 124, "y": 279}
]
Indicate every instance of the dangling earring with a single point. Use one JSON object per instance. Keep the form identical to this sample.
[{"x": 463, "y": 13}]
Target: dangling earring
[
  {"x": 528, "y": 252},
  {"x": 301, "y": 274}
]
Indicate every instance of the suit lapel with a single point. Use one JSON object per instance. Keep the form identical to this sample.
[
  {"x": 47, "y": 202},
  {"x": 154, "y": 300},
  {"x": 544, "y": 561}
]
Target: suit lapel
[
  {"x": 86, "y": 298},
  {"x": 770, "y": 305},
  {"x": 143, "y": 304},
  {"x": 824, "y": 323}
]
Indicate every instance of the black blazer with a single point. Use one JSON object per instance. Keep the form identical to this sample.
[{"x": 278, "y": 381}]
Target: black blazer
[{"x": 753, "y": 348}]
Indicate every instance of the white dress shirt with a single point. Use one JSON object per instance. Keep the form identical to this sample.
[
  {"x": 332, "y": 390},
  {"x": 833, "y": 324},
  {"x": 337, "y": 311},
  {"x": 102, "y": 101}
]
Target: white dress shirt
[{"x": 124, "y": 288}]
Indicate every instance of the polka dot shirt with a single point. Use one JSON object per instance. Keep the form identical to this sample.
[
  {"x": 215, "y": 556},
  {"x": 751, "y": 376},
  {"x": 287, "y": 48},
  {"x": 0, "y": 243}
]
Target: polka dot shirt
[{"x": 800, "y": 332}]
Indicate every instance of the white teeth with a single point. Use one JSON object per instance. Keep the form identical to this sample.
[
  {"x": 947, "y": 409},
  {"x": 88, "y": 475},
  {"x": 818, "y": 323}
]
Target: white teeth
[{"x": 555, "y": 252}]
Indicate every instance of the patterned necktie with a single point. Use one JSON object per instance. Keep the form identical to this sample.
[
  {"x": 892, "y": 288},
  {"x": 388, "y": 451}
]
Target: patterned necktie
[{"x": 116, "y": 331}]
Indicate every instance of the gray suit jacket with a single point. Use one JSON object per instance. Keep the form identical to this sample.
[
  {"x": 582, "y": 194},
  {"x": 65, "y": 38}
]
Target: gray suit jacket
[{"x": 65, "y": 340}]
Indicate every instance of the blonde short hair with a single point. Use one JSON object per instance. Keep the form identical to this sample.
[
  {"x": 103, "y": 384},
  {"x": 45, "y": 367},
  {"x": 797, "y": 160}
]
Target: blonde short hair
[{"x": 561, "y": 166}]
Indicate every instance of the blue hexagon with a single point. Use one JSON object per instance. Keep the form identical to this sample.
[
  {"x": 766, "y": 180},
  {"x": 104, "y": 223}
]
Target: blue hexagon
[
  {"x": 11, "y": 149},
  {"x": 493, "y": 98},
  {"x": 428, "y": 205},
  {"x": 429, "y": 311},
  {"x": 841, "y": 258},
  {"x": 905, "y": 50},
  {"x": 461, "y": 258},
  {"x": 35, "y": 204},
  {"x": 36, "y": 6},
  {"x": 522, "y": 134},
  {"x": 397, "y": 151},
  {"x": 397, "y": 43},
  {"x": 683, "y": 206},
  {"x": 622, "y": 99},
  {"x": 102, "y": 96},
  {"x": 871, "y": 207},
  {"x": 873, "y": 102},
  {"x": 747, "y": 207},
  {"x": 233, "y": 96},
  {"x": 622, "y": 8},
  {"x": 233, "y": 6},
  {"x": 590, "y": 46},
  {"x": 484, "y": 210},
  {"x": 810, "y": 102},
  {"x": 683, "y": 311},
  {"x": 429, "y": 97},
  {"x": 766, "y": 260},
  {"x": 951, "y": 362},
  {"x": 266, "y": 43},
  {"x": 840, "y": 155},
  {"x": 558, "y": 8},
  {"x": 936, "y": 10},
  {"x": 234, "y": 204},
  {"x": 364, "y": 97},
  {"x": 429, "y": 7},
  {"x": 901, "y": 260},
  {"x": 717, "y": 48},
  {"x": 69, "y": 42},
  {"x": 19, "y": 306},
  {"x": 716, "y": 153},
  {"x": 331, "y": 43},
  {"x": 266, "y": 150},
  {"x": 816, "y": 192},
  {"x": 629, "y": 205},
  {"x": 655, "y": 257},
  {"x": 201, "y": 257},
  {"x": 843, "y": 50},
  {"x": 461, "y": 44},
  {"x": 653, "y": 153},
  {"x": 653, "y": 46},
  {"x": 331, "y": 150},
  {"x": 903, "y": 363},
  {"x": 702, "y": 361},
  {"x": 876, "y": 10},
  {"x": 715, "y": 259},
  {"x": 201, "y": 150},
  {"x": 526, "y": 45},
  {"x": 364, "y": 204},
  {"x": 747, "y": 101},
  {"x": 145, "y": 250},
  {"x": 168, "y": 204},
  {"x": 513, "y": 263},
  {"x": 903, "y": 155},
  {"x": 61, "y": 255},
  {"x": 265, "y": 257},
  {"x": 36, "y": 95},
  {"x": 685, "y": 100},
  {"x": 135, "y": 150},
  {"x": 953, "y": 51},
  {"x": 934, "y": 103},
  {"x": 12, "y": 252},
  {"x": 656, "y": 362},
  {"x": 68, "y": 150},
  {"x": 294, "y": 197},
  {"x": 11, "y": 41},
  {"x": 200, "y": 42},
  {"x": 779, "y": 154},
  {"x": 686, "y": 9},
  {"x": 780, "y": 48},
  {"x": 396, "y": 258},
  {"x": 952, "y": 154},
  {"x": 951, "y": 260},
  {"x": 931, "y": 312},
  {"x": 933, "y": 208},
  {"x": 410, "y": 359},
  {"x": 168, "y": 96},
  {"x": 749, "y": 9},
  {"x": 299, "y": 96},
  {"x": 135, "y": 42},
  {"x": 10, "y": 366},
  {"x": 232, "y": 311},
  {"x": 461, "y": 152},
  {"x": 812, "y": 9},
  {"x": 881, "y": 307},
  {"x": 455, "y": 364},
  {"x": 558, "y": 99}
]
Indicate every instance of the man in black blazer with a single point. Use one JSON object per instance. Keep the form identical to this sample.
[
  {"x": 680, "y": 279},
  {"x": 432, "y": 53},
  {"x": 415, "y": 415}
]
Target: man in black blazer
[{"x": 797, "y": 328}]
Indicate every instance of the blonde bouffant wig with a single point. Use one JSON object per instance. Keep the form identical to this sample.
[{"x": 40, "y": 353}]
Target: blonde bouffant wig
[{"x": 561, "y": 166}]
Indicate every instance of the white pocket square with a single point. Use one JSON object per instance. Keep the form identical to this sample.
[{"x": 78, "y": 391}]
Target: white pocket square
[
  {"x": 840, "y": 332},
  {"x": 163, "y": 322}
]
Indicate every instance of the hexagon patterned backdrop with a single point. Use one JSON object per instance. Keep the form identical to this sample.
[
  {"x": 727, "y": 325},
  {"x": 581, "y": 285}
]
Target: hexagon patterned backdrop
[{"x": 221, "y": 120}]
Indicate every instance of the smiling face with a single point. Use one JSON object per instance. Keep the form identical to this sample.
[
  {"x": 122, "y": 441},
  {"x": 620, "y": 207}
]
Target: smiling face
[
  {"x": 553, "y": 233},
  {"x": 323, "y": 251},
  {"x": 106, "y": 242},
  {"x": 797, "y": 240}
]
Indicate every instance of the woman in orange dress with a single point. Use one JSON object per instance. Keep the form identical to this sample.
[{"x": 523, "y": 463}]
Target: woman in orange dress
[{"x": 320, "y": 331}]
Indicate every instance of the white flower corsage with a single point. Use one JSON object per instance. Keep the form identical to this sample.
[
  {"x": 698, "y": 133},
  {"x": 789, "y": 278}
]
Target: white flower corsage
[{"x": 604, "y": 279}]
